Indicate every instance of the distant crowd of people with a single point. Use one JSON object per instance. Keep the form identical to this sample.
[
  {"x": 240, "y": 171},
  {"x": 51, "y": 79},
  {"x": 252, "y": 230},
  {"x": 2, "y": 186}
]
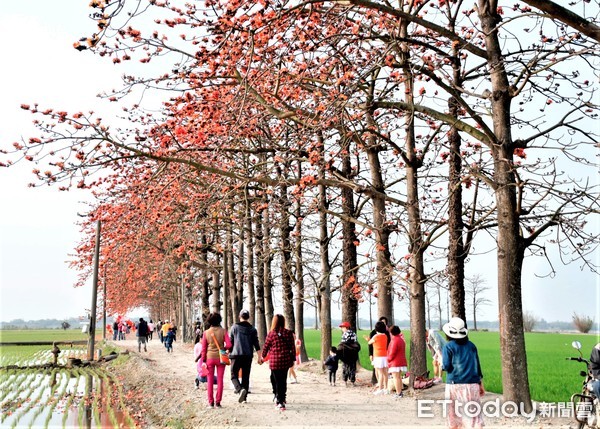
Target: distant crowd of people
[{"x": 144, "y": 332}]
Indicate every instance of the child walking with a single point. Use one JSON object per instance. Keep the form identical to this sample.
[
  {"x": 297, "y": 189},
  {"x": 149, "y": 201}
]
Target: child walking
[
  {"x": 202, "y": 372},
  {"x": 169, "y": 338},
  {"x": 332, "y": 365}
]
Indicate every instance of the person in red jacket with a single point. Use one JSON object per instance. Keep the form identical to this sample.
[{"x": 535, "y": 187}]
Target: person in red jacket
[
  {"x": 279, "y": 345},
  {"x": 396, "y": 357}
]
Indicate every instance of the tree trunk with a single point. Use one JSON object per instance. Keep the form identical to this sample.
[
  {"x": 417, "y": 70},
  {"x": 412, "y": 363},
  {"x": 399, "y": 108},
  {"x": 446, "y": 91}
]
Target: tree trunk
[
  {"x": 250, "y": 263},
  {"x": 230, "y": 279},
  {"x": 216, "y": 288},
  {"x": 456, "y": 248},
  {"x": 189, "y": 310},
  {"x": 474, "y": 312},
  {"x": 227, "y": 285},
  {"x": 439, "y": 296},
  {"x": 324, "y": 281},
  {"x": 299, "y": 277},
  {"x": 285, "y": 253},
  {"x": 515, "y": 381},
  {"x": 428, "y": 307},
  {"x": 261, "y": 323},
  {"x": 267, "y": 278},
  {"x": 350, "y": 261},
  {"x": 382, "y": 246},
  {"x": 204, "y": 282},
  {"x": 238, "y": 302},
  {"x": 418, "y": 362}
]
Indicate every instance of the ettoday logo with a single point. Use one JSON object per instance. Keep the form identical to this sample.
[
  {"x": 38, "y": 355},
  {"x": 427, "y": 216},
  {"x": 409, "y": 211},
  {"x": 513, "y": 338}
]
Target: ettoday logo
[{"x": 493, "y": 409}]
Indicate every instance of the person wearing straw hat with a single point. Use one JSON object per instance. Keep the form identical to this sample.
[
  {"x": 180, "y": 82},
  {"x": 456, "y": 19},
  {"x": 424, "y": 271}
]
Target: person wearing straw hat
[
  {"x": 464, "y": 383},
  {"x": 347, "y": 352}
]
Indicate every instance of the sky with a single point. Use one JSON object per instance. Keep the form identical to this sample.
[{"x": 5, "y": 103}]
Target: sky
[{"x": 38, "y": 226}]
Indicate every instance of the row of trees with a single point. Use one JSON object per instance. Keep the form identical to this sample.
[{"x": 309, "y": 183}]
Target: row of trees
[{"x": 356, "y": 147}]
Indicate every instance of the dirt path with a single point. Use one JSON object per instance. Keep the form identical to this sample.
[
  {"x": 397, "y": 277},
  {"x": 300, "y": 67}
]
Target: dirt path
[{"x": 169, "y": 398}]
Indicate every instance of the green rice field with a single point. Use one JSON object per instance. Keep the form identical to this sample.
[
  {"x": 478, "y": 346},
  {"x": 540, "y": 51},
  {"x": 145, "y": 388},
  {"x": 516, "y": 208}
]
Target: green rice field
[
  {"x": 56, "y": 396},
  {"x": 552, "y": 377},
  {"x": 11, "y": 336}
]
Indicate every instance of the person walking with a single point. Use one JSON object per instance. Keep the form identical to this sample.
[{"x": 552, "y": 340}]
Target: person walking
[
  {"x": 169, "y": 339},
  {"x": 202, "y": 372},
  {"x": 115, "y": 327},
  {"x": 142, "y": 334},
  {"x": 150, "y": 329},
  {"x": 464, "y": 384},
  {"x": 293, "y": 377},
  {"x": 279, "y": 346},
  {"x": 244, "y": 340},
  {"x": 331, "y": 363},
  {"x": 158, "y": 329},
  {"x": 122, "y": 330},
  {"x": 214, "y": 339},
  {"x": 435, "y": 344},
  {"x": 164, "y": 329}
]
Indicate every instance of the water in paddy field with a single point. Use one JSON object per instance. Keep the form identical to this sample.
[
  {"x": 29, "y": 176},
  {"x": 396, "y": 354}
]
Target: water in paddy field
[{"x": 80, "y": 397}]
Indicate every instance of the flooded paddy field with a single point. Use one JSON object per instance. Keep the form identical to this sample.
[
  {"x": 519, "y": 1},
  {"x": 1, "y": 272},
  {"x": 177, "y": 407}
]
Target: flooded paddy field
[{"x": 36, "y": 393}]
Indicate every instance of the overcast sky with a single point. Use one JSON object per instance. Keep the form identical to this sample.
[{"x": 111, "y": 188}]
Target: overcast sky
[{"x": 38, "y": 227}]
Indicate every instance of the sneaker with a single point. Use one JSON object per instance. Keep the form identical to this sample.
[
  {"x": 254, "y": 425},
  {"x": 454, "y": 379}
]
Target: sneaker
[
  {"x": 218, "y": 405},
  {"x": 378, "y": 392},
  {"x": 243, "y": 394},
  {"x": 210, "y": 405},
  {"x": 281, "y": 407},
  {"x": 398, "y": 395}
]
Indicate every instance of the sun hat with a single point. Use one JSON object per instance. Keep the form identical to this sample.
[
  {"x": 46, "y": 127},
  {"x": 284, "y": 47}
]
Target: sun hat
[
  {"x": 455, "y": 328},
  {"x": 345, "y": 325}
]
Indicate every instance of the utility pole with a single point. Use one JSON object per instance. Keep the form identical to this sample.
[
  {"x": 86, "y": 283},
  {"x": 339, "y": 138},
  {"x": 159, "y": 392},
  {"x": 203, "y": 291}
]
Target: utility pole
[
  {"x": 183, "y": 323},
  {"x": 92, "y": 329},
  {"x": 104, "y": 308}
]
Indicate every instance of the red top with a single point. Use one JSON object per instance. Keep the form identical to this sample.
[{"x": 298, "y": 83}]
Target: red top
[
  {"x": 396, "y": 354},
  {"x": 279, "y": 345}
]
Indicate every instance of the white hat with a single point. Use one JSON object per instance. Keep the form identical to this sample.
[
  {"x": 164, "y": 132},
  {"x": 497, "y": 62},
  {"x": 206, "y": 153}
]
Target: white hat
[{"x": 455, "y": 328}]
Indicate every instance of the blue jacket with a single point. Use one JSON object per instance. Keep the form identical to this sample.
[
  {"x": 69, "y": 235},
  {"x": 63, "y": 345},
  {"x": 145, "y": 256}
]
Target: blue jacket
[
  {"x": 244, "y": 339},
  {"x": 331, "y": 363},
  {"x": 170, "y": 337},
  {"x": 461, "y": 363}
]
